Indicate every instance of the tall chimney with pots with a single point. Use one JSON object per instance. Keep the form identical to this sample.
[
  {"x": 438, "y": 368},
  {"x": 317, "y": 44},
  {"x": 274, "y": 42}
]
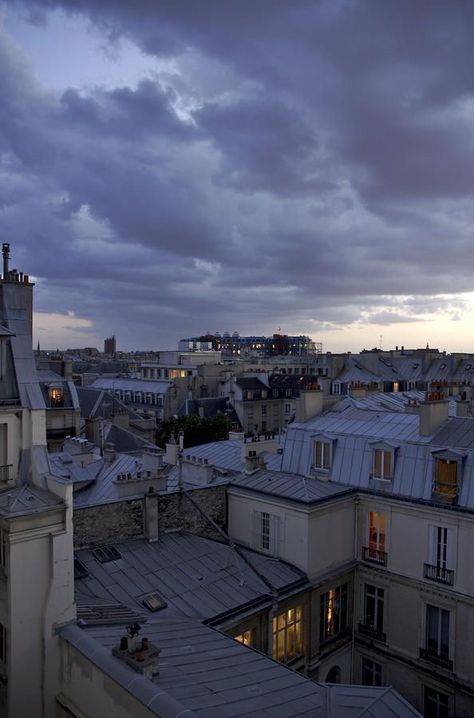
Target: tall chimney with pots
[{"x": 16, "y": 294}]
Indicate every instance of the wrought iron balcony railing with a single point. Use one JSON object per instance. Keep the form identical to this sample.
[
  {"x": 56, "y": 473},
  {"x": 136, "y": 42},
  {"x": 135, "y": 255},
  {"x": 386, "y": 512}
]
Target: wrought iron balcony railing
[
  {"x": 374, "y": 555},
  {"x": 439, "y": 574}
]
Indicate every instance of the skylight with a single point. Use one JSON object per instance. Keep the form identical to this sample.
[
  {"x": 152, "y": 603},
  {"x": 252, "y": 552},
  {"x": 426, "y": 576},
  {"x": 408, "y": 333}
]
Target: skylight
[
  {"x": 154, "y": 602},
  {"x": 104, "y": 554}
]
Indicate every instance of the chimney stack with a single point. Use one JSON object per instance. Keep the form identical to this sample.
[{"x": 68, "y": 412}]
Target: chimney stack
[
  {"x": 434, "y": 411},
  {"x": 6, "y": 257}
]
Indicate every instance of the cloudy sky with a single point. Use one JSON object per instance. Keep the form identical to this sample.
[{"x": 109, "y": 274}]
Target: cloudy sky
[{"x": 172, "y": 167}]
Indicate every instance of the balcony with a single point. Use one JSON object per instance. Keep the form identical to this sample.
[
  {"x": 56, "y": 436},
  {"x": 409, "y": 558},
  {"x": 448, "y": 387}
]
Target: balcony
[
  {"x": 374, "y": 555},
  {"x": 438, "y": 574},
  {"x": 371, "y": 632},
  {"x": 437, "y": 659}
]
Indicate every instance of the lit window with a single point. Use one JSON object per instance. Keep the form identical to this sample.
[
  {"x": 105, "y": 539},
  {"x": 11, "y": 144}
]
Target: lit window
[
  {"x": 247, "y": 637},
  {"x": 287, "y": 629},
  {"x": 377, "y": 530},
  {"x": 322, "y": 455},
  {"x": 182, "y": 373},
  {"x": 436, "y": 704},
  {"x": 371, "y": 673},
  {"x": 333, "y": 612},
  {"x": 382, "y": 464},
  {"x": 56, "y": 396},
  {"x": 446, "y": 479}
]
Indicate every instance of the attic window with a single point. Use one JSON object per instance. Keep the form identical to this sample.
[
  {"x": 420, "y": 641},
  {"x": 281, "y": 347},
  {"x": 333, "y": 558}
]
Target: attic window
[
  {"x": 445, "y": 484},
  {"x": 80, "y": 571},
  {"x": 104, "y": 554},
  {"x": 154, "y": 602},
  {"x": 56, "y": 396},
  {"x": 382, "y": 466},
  {"x": 322, "y": 455}
]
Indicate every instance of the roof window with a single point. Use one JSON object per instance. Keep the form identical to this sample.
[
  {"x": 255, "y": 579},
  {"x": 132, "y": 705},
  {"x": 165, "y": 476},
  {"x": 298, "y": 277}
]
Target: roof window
[
  {"x": 104, "y": 554},
  {"x": 154, "y": 602}
]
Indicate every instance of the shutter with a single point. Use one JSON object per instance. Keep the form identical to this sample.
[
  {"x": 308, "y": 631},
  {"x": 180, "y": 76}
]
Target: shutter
[
  {"x": 256, "y": 525},
  {"x": 432, "y": 542},
  {"x": 451, "y": 553}
]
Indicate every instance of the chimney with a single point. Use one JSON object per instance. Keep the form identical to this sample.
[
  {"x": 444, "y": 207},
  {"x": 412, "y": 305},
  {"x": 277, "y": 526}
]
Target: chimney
[
  {"x": 6, "y": 257},
  {"x": 309, "y": 403},
  {"x": 434, "y": 411},
  {"x": 358, "y": 390},
  {"x": 150, "y": 520},
  {"x": 463, "y": 407},
  {"x": 109, "y": 452},
  {"x": 252, "y": 462},
  {"x": 152, "y": 458},
  {"x": 172, "y": 452},
  {"x": 121, "y": 418}
]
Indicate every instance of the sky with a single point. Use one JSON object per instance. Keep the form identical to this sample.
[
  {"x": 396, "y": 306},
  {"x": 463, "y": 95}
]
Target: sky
[{"x": 170, "y": 168}]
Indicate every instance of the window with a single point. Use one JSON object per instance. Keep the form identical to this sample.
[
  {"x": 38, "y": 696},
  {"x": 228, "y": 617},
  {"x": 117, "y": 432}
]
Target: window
[
  {"x": 56, "y": 397},
  {"x": 436, "y": 635},
  {"x": 267, "y": 530},
  {"x": 435, "y": 704},
  {"x": 373, "y": 612},
  {"x": 333, "y": 612},
  {"x": 104, "y": 554},
  {"x": 3, "y": 644},
  {"x": 440, "y": 560},
  {"x": 322, "y": 455},
  {"x": 446, "y": 479},
  {"x": 154, "y": 602},
  {"x": 287, "y": 631},
  {"x": 382, "y": 464},
  {"x": 371, "y": 673},
  {"x": 375, "y": 551},
  {"x": 264, "y": 409},
  {"x": 287, "y": 408},
  {"x": 246, "y": 637}
]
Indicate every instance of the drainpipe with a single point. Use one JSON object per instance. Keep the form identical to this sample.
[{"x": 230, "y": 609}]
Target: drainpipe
[{"x": 354, "y": 601}]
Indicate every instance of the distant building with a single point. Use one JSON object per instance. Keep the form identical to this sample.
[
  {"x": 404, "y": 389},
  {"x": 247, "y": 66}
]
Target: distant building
[
  {"x": 110, "y": 345},
  {"x": 235, "y": 345}
]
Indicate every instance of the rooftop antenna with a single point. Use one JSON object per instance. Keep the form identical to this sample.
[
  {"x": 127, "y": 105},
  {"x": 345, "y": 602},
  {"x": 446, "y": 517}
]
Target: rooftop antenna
[{"x": 380, "y": 342}]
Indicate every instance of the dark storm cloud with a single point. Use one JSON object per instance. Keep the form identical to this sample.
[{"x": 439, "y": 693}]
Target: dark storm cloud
[{"x": 302, "y": 160}]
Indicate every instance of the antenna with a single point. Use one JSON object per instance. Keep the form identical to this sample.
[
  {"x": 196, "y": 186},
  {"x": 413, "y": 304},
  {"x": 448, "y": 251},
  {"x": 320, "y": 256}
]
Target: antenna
[{"x": 380, "y": 342}]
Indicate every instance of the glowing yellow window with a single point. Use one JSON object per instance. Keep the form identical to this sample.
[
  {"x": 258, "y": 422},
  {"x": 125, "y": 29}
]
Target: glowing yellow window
[
  {"x": 446, "y": 479},
  {"x": 247, "y": 637},
  {"x": 287, "y": 629}
]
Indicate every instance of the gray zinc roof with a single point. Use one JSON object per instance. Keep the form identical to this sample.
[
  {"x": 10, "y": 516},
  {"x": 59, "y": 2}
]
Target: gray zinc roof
[
  {"x": 289, "y": 486},
  {"x": 153, "y": 387},
  {"x": 197, "y": 576}
]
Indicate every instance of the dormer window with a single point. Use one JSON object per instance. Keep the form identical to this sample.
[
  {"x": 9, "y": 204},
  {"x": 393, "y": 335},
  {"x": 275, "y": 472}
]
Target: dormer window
[
  {"x": 322, "y": 453},
  {"x": 383, "y": 461},
  {"x": 56, "y": 396},
  {"x": 447, "y": 475},
  {"x": 382, "y": 464}
]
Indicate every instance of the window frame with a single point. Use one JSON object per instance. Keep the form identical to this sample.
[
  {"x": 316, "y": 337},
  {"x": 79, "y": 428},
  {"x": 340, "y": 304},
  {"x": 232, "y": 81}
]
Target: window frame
[
  {"x": 374, "y": 610},
  {"x": 438, "y": 708},
  {"x": 374, "y": 670},
  {"x": 441, "y": 649},
  {"x": 284, "y": 624},
  {"x": 322, "y": 453},
  {"x": 333, "y": 617},
  {"x": 383, "y": 461}
]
